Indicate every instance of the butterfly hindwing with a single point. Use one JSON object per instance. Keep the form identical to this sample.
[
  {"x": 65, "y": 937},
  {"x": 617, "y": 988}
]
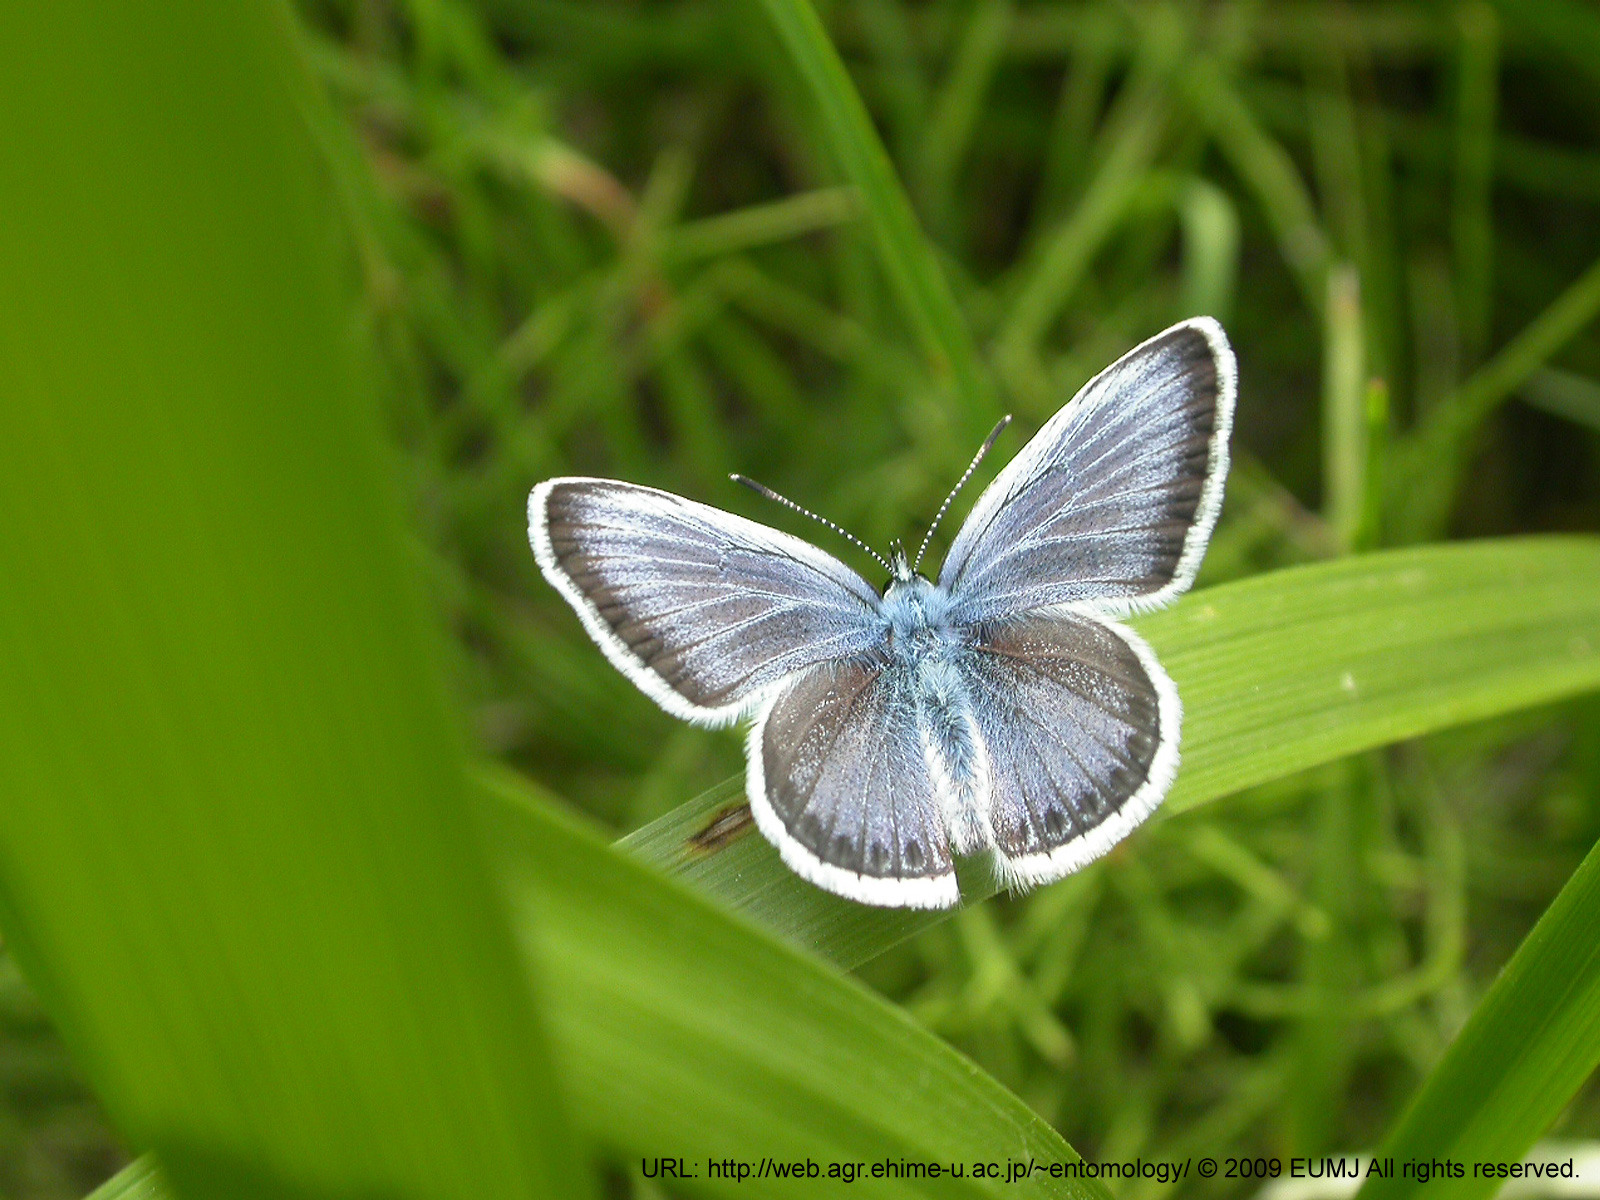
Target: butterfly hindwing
[
  {"x": 1080, "y": 730},
  {"x": 1112, "y": 502},
  {"x": 703, "y": 609},
  {"x": 839, "y": 780}
]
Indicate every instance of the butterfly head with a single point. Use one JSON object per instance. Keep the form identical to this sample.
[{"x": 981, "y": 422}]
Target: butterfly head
[
  {"x": 910, "y": 600},
  {"x": 900, "y": 569},
  {"x": 914, "y": 611}
]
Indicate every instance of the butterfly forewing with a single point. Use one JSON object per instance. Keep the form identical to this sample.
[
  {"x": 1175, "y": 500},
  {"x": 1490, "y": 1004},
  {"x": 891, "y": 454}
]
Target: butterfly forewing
[
  {"x": 703, "y": 609},
  {"x": 1112, "y": 502},
  {"x": 840, "y": 781},
  {"x": 1080, "y": 725}
]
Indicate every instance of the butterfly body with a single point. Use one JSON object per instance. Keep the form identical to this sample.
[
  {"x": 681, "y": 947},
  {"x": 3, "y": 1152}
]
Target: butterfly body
[
  {"x": 928, "y": 653},
  {"x": 915, "y": 615},
  {"x": 1002, "y": 706}
]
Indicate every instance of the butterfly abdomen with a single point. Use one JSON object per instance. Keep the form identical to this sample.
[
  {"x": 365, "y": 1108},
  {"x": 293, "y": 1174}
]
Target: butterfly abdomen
[{"x": 954, "y": 752}]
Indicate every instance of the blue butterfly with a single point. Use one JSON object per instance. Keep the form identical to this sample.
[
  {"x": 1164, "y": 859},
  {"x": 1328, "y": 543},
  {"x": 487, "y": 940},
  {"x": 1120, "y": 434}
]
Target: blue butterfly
[{"x": 1002, "y": 707}]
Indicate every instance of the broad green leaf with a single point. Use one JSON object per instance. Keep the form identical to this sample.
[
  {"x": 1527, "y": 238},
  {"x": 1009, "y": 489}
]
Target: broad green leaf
[
  {"x": 684, "y": 1031},
  {"x": 236, "y": 857},
  {"x": 1531, "y": 1043},
  {"x": 1277, "y": 673}
]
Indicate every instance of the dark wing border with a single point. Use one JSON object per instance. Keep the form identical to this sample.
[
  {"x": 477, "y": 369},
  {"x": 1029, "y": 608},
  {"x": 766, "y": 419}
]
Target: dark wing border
[{"x": 1210, "y": 506}]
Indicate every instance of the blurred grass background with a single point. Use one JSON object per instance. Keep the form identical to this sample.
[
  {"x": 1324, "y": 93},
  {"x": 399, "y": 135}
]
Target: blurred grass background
[{"x": 604, "y": 237}]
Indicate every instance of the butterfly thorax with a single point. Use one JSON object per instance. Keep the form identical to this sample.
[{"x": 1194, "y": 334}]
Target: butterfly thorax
[{"x": 915, "y": 613}]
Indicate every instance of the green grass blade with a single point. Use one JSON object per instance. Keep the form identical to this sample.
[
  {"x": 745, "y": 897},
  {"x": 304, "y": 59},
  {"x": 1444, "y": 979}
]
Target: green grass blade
[
  {"x": 1210, "y": 250},
  {"x": 904, "y": 252},
  {"x": 1471, "y": 217},
  {"x": 1531, "y": 1043},
  {"x": 1277, "y": 673},
  {"x": 139, "y": 1180},
  {"x": 760, "y": 224},
  {"x": 1092, "y": 57},
  {"x": 1053, "y": 271},
  {"x": 236, "y": 858},
  {"x": 1336, "y": 155},
  {"x": 905, "y": 94},
  {"x": 1575, "y": 398},
  {"x": 1435, "y": 456},
  {"x": 955, "y": 114},
  {"x": 1344, "y": 407},
  {"x": 1568, "y": 27},
  {"x": 1267, "y": 170}
]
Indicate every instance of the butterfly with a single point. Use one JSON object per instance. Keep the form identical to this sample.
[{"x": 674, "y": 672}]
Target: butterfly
[{"x": 1001, "y": 707}]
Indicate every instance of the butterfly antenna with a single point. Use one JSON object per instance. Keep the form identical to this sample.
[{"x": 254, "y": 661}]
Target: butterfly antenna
[
  {"x": 762, "y": 489},
  {"x": 988, "y": 442}
]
